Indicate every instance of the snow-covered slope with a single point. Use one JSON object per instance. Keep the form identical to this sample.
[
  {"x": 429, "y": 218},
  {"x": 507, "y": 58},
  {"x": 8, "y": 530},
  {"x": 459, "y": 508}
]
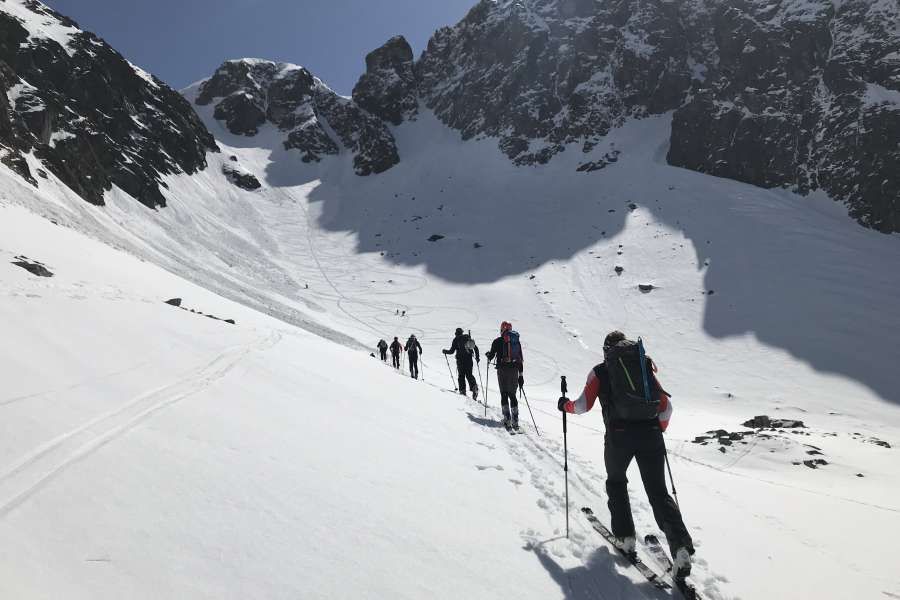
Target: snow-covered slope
[{"x": 166, "y": 454}]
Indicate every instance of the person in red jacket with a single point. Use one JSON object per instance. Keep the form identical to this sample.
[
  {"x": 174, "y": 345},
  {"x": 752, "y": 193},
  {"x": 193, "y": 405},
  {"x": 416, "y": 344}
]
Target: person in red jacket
[{"x": 641, "y": 440}]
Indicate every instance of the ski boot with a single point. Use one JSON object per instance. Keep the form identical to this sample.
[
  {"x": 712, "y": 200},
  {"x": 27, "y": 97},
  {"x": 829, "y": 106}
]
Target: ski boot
[
  {"x": 628, "y": 545},
  {"x": 475, "y": 394},
  {"x": 681, "y": 565}
]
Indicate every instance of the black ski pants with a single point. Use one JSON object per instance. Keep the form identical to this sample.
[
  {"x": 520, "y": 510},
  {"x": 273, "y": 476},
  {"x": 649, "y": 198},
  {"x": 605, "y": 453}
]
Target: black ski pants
[
  {"x": 383, "y": 354},
  {"x": 508, "y": 381},
  {"x": 464, "y": 372},
  {"x": 648, "y": 448},
  {"x": 395, "y": 359},
  {"x": 413, "y": 364}
]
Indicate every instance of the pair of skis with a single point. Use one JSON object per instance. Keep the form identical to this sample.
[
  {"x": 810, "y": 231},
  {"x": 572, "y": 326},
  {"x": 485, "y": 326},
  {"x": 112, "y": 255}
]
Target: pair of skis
[{"x": 688, "y": 591}]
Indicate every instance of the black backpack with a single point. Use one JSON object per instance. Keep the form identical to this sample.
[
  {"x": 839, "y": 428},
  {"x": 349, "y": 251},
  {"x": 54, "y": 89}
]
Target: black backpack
[{"x": 634, "y": 391}]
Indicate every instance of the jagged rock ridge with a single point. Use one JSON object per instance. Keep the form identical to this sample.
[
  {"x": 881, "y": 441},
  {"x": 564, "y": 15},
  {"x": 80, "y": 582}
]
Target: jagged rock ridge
[
  {"x": 249, "y": 93},
  {"x": 92, "y": 118}
]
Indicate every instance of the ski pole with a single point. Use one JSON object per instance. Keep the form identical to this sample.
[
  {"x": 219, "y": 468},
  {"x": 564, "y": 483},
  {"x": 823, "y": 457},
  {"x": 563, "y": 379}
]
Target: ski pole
[
  {"x": 480, "y": 378},
  {"x": 524, "y": 395},
  {"x": 449, "y": 370},
  {"x": 488, "y": 381},
  {"x": 672, "y": 479},
  {"x": 563, "y": 386}
]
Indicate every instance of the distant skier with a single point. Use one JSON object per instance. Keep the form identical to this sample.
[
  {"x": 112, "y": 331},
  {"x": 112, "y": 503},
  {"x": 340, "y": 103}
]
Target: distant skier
[
  {"x": 413, "y": 350},
  {"x": 465, "y": 349},
  {"x": 382, "y": 350},
  {"x": 634, "y": 429},
  {"x": 507, "y": 349},
  {"x": 396, "y": 349}
]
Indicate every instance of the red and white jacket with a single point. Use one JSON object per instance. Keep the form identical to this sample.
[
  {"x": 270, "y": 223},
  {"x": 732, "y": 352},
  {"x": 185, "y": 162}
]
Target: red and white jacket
[{"x": 593, "y": 389}]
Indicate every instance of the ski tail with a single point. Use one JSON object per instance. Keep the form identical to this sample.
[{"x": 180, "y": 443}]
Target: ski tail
[{"x": 654, "y": 578}]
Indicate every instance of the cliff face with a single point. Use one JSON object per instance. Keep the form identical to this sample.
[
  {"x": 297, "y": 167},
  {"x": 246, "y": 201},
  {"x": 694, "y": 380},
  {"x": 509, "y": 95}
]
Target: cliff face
[
  {"x": 800, "y": 94},
  {"x": 93, "y": 119}
]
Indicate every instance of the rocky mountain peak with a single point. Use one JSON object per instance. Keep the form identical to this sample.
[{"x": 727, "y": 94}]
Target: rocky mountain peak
[
  {"x": 250, "y": 93},
  {"x": 93, "y": 119},
  {"x": 388, "y": 89}
]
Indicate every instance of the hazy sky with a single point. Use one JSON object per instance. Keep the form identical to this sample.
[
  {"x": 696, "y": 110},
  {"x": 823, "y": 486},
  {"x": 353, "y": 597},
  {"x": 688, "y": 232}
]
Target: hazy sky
[{"x": 181, "y": 41}]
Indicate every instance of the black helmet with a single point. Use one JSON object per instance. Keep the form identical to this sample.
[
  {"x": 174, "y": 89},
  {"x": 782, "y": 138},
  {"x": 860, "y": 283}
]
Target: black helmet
[
  {"x": 459, "y": 331},
  {"x": 613, "y": 338}
]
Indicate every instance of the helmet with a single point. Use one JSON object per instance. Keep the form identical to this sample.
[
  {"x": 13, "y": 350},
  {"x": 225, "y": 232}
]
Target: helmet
[
  {"x": 459, "y": 331},
  {"x": 613, "y": 338},
  {"x": 505, "y": 326}
]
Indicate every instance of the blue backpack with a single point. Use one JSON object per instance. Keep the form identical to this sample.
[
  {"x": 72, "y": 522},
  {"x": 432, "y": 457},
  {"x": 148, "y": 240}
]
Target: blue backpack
[{"x": 512, "y": 351}]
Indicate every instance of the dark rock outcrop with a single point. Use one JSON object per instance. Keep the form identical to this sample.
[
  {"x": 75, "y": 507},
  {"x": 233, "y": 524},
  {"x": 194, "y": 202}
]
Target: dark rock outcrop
[
  {"x": 388, "y": 89},
  {"x": 32, "y": 266},
  {"x": 315, "y": 121},
  {"x": 764, "y": 422},
  {"x": 90, "y": 116},
  {"x": 242, "y": 179}
]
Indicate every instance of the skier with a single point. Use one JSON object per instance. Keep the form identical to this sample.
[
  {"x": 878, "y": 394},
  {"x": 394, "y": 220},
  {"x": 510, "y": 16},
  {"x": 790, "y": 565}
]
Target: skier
[
  {"x": 396, "y": 349},
  {"x": 510, "y": 365},
  {"x": 413, "y": 350},
  {"x": 465, "y": 349},
  {"x": 382, "y": 350},
  {"x": 634, "y": 429}
]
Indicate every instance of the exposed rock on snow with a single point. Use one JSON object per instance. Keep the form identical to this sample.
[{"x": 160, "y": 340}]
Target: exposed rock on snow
[
  {"x": 176, "y": 302},
  {"x": 764, "y": 422},
  {"x": 316, "y": 121},
  {"x": 94, "y": 119},
  {"x": 32, "y": 266},
  {"x": 242, "y": 179}
]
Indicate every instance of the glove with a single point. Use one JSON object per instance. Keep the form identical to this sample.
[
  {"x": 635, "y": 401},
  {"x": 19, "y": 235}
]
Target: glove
[
  {"x": 561, "y": 405},
  {"x": 521, "y": 381}
]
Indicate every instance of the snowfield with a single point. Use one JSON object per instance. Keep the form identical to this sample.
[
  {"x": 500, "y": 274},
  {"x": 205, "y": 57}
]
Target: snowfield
[{"x": 151, "y": 452}]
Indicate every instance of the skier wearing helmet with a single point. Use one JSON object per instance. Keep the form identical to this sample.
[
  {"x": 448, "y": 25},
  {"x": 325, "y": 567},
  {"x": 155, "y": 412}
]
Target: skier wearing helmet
[
  {"x": 507, "y": 350},
  {"x": 465, "y": 350}
]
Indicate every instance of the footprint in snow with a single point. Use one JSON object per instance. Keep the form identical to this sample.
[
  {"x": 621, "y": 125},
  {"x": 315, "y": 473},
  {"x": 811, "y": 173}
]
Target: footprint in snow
[{"x": 487, "y": 468}]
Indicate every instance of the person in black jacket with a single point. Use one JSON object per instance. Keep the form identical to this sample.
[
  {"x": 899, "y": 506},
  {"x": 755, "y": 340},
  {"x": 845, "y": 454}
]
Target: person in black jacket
[
  {"x": 640, "y": 441},
  {"x": 396, "y": 349},
  {"x": 510, "y": 367},
  {"x": 413, "y": 349},
  {"x": 465, "y": 349},
  {"x": 382, "y": 350}
]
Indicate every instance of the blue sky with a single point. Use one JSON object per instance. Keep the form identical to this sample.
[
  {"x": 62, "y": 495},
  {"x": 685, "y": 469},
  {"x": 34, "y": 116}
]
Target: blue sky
[{"x": 182, "y": 41}]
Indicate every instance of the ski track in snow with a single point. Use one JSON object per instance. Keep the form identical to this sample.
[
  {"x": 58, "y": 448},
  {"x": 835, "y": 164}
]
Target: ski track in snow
[{"x": 25, "y": 477}]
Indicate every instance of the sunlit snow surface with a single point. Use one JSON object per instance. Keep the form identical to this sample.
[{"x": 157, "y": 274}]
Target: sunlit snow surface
[{"x": 148, "y": 452}]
